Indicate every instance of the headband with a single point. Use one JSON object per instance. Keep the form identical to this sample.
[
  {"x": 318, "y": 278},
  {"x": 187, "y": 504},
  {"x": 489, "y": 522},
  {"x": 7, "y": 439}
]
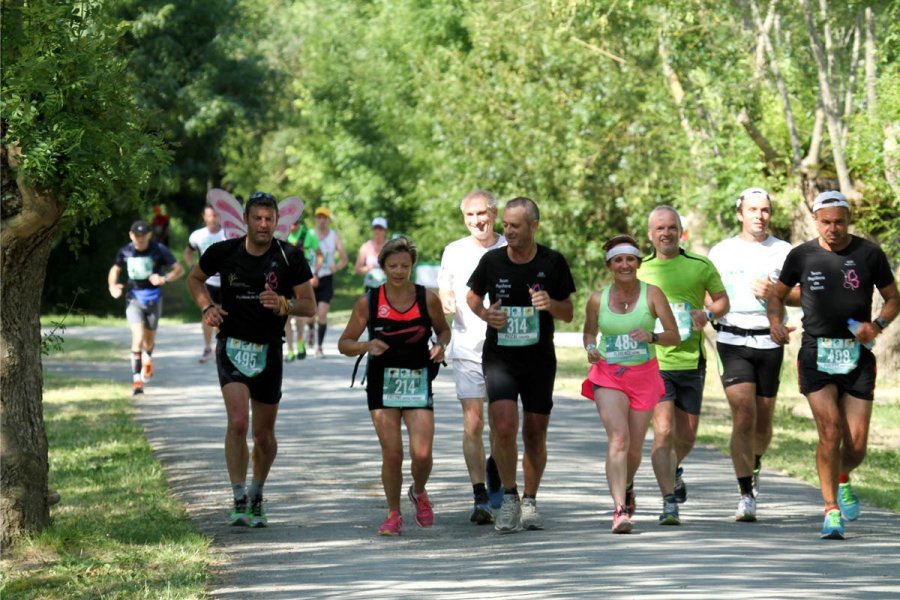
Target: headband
[{"x": 622, "y": 249}]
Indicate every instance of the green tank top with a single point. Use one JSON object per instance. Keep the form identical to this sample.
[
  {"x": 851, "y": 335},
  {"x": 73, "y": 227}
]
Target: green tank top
[{"x": 615, "y": 346}]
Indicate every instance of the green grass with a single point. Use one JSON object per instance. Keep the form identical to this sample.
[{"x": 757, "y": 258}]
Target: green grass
[
  {"x": 116, "y": 533},
  {"x": 75, "y": 349},
  {"x": 793, "y": 447}
]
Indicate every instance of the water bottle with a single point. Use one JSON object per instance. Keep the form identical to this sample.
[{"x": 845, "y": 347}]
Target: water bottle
[{"x": 853, "y": 326}]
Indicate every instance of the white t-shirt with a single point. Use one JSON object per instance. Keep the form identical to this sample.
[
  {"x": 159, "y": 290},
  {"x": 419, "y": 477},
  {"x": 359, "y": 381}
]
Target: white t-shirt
[
  {"x": 202, "y": 239},
  {"x": 739, "y": 262},
  {"x": 457, "y": 263},
  {"x": 328, "y": 246}
]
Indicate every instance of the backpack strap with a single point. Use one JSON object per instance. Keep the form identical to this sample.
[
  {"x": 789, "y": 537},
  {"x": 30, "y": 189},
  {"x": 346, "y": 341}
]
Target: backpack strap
[{"x": 373, "y": 310}]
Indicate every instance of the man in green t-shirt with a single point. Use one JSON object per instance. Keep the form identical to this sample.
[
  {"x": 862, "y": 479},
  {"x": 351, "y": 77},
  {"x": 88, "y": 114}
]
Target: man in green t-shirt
[
  {"x": 304, "y": 238},
  {"x": 695, "y": 290}
]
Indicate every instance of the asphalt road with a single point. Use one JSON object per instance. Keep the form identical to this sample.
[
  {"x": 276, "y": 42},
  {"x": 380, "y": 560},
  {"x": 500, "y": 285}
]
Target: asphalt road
[{"x": 325, "y": 502}]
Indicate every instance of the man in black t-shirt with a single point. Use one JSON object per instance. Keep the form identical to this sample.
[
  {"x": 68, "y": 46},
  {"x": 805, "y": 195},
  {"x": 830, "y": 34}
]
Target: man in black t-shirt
[
  {"x": 837, "y": 274},
  {"x": 264, "y": 282},
  {"x": 528, "y": 286}
]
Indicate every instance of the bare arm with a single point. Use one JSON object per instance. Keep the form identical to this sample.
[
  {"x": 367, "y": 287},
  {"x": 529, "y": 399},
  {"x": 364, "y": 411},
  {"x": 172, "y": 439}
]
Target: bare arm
[
  {"x": 558, "y": 309},
  {"x": 448, "y": 301},
  {"x": 440, "y": 326},
  {"x": 660, "y": 308},
  {"x": 779, "y": 332},
  {"x": 348, "y": 344},
  {"x": 493, "y": 315},
  {"x": 361, "y": 268},
  {"x": 868, "y": 331},
  {"x": 717, "y": 303},
  {"x": 589, "y": 331},
  {"x": 112, "y": 281},
  {"x": 304, "y": 300},
  {"x": 341, "y": 251},
  {"x": 188, "y": 256}
]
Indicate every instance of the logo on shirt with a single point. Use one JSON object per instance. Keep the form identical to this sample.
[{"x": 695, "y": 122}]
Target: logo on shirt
[
  {"x": 851, "y": 279},
  {"x": 384, "y": 311},
  {"x": 272, "y": 280}
]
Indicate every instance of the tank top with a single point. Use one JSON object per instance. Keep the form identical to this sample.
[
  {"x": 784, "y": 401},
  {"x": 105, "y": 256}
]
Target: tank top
[
  {"x": 328, "y": 246},
  {"x": 615, "y": 324}
]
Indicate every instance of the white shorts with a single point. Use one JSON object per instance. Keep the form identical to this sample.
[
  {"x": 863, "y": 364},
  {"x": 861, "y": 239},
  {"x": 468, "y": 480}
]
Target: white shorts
[{"x": 469, "y": 379}]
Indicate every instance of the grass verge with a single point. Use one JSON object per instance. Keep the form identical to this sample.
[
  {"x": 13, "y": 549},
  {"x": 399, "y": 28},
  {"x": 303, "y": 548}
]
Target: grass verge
[
  {"x": 793, "y": 447},
  {"x": 116, "y": 533}
]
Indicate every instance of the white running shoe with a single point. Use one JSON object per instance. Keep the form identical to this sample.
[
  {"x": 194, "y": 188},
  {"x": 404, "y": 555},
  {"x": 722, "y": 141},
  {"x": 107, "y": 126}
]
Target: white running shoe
[
  {"x": 746, "y": 510},
  {"x": 531, "y": 518},
  {"x": 508, "y": 518}
]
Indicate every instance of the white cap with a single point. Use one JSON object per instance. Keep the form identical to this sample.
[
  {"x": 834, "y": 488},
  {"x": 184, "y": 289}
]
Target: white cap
[
  {"x": 753, "y": 192},
  {"x": 379, "y": 222},
  {"x": 833, "y": 199}
]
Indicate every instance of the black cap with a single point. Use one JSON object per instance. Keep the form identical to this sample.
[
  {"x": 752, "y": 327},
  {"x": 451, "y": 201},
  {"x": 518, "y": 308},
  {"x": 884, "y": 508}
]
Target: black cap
[{"x": 140, "y": 227}]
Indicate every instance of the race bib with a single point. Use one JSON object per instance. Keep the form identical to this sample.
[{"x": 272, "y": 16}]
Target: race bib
[
  {"x": 249, "y": 358},
  {"x": 522, "y": 327},
  {"x": 621, "y": 348},
  {"x": 405, "y": 388},
  {"x": 836, "y": 356},
  {"x": 139, "y": 267},
  {"x": 682, "y": 312}
]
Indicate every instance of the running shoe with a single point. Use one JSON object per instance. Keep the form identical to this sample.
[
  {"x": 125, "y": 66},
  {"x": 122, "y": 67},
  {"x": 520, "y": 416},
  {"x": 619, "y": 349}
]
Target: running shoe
[
  {"x": 621, "y": 521},
  {"x": 258, "y": 517},
  {"x": 301, "y": 350},
  {"x": 530, "y": 518},
  {"x": 137, "y": 388},
  {"x": 630, "y": 502},
  {"x": 289, "y": 357},
  {"x": 207, "y": 354},
  {"x": 320, "y": 353},
  {"x": 755, "y": 482},
  {"x": 481, "y": 514},
  {"x": 680, "y": 487},
  {"x": 424, "y": 511},
  {"x": 494, "y": 485},
  {"x": 147, "y": 371},
  {"x": 509, "y": 517},
  {"x": 848, "y": 501},
  {"x": 393, "y": 525},
  {"x": 833, "y": 527},
  {"x": 669, "y": 514},
  {"x": 746, "y": 510},
  {"x": 239, "y": 515}
]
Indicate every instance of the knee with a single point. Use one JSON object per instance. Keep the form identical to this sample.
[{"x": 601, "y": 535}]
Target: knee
[
  {"x": 392, "y": 457},
  {"x": 618, "y": 443},
  {"x": 856, "y": 451},
  {"x": 264, "y": 440},
  {"x": 473, "y": 425},
  {"x": 742, "y": 420},
  {"x": 830, "y": 434},
  {"x": 504, "y": 429},
  {"x": 534, "y": 439},
  {"x": 238, "y": 425},
  {"x": 420, "y": 454},
  {"x": 662, "y": 436}
]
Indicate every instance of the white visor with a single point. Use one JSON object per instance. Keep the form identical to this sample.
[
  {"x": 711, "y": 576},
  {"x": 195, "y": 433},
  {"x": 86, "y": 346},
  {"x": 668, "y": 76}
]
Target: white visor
[{"x": 622, "y": 249}]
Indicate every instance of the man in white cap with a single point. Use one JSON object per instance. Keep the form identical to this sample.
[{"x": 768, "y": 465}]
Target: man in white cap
[
  {"x": 837, "y": 273},
  {"x": 367, "y": 260},
  {"x": 749, "y": 264}
]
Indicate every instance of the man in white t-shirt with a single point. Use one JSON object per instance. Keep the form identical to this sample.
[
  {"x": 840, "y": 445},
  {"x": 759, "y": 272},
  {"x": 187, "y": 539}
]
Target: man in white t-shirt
[
  {"x": 749, "y": 264},
  {"x": 198, "y": 242},
  {"x": 459, "y": 259}
]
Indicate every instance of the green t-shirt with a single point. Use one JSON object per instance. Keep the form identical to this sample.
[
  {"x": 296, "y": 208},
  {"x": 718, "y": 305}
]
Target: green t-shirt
[
  {"x": 310, "y": 243},
  {"x": 684, "y": 280}
]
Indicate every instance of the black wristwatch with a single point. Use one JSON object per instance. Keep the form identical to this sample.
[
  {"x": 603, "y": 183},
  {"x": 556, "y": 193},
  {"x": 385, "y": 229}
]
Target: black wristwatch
[
  {"x": 654, "y": 337},
  {"x": 881, "y": 323}
]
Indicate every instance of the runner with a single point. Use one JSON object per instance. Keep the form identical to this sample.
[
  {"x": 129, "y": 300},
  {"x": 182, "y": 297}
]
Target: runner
[
  {"x": 750, "y": 361},
  {"x": 529, "y": 286},
  {"x": 400, "y": 317},
  {"x": 305, "y": 239},
  {"x": 331, "y": 244},
  {"x": 624, "y": 381},
  {"x": 835, "y": 367},
  {"x": 198, "y": 242},
  {"x": 367, "y": 260},
  {"x": 143, "y": 260},
  {"x": 686, "y": 279},
  {"x": 459, "y": 259},
  {"x": 264, "y": 281}
]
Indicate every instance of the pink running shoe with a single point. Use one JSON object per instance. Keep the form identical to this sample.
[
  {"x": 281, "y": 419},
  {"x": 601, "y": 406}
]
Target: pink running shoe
[
  {"x": 424, "y": 512},
  {"x": 621, "y": 521},
  {"x": 393, "y": 525}
]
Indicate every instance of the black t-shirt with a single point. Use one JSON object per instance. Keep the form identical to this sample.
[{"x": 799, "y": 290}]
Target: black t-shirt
[
  {"x": 244, "y": 277},
  {"x": 499, "y": 278},
  {"x": 835, "y": 286}
]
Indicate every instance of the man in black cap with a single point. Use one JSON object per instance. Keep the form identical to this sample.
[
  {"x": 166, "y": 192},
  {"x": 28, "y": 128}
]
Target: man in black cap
[{"x": 143, "y": 260}]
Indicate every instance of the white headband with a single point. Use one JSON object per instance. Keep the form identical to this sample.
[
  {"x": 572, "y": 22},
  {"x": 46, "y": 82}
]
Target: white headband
[{"x": 622, "y": 249}]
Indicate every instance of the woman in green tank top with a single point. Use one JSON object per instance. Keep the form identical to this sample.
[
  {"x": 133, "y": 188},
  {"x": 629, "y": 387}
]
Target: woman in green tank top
[{"x": 624, "y": 380}]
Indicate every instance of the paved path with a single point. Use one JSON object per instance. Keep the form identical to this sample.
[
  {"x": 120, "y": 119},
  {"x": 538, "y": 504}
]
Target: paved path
[{"x": 325, "y": 503}]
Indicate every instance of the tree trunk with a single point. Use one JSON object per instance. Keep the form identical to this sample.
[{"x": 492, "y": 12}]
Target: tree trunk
[
  {"x": 29, "y": 221},
  {"x": 871, "y": 76}
]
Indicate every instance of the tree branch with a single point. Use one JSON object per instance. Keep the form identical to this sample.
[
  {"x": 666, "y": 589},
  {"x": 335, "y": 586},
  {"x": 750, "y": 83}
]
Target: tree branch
[
  {"x": 770, "y": 155},
  {"x": 851, "y": 81}
]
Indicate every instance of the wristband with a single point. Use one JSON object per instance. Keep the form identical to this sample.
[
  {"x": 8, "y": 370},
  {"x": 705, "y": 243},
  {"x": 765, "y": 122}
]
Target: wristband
[
  {"x": 205, "y": 310},
  {"x": 654, "y": 337},
  {"x": 282, "y": 307},
  {"x": 881, "y": 323},
  {"x": 590, "y": 347},
  {"x": 709, "y": 315}
]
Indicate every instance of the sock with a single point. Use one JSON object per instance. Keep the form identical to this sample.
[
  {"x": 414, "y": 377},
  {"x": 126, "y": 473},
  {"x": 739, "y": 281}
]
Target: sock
[
  {"x": 514, "y": 490},
  {"x": 669, "y": 498},
  {"x": 480, "y": 493},
  {"x": 136, "y": 365},
  {"x": 239, "y": 490},
  {"x": 255, "y": 489},
  {"x": 757, "y": 463},
  {"x": 746, "y": 485},
  {"x": 321, "y": 337},
  {"x": 526, "y": 498},
  {"x": 629, "y": 486},
  {"x": 844, "y": 478},
  {"x": 148, "y": 355}
]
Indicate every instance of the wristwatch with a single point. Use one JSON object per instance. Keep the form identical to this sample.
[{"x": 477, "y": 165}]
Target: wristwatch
[
  {"x": 881, "y": 323},
  {"x": 654, "y": 337},
  {"x": 590, "y": 347}
]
